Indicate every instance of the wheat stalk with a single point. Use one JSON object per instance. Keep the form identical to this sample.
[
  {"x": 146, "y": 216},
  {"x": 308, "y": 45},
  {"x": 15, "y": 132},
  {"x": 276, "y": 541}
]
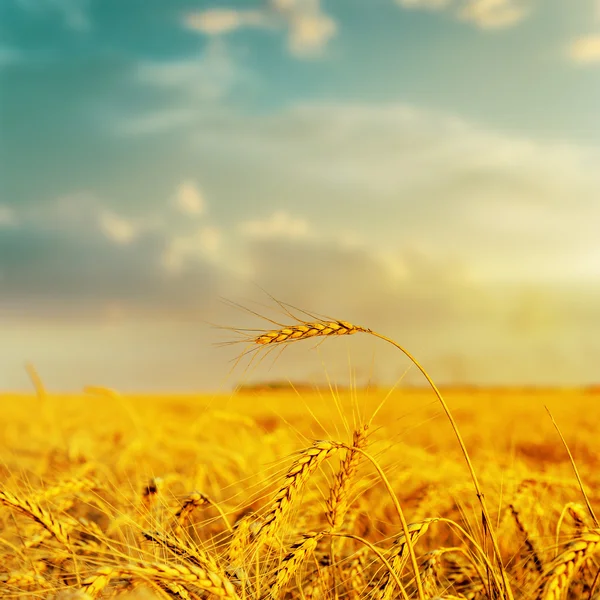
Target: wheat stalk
[
  {"x": 291, "y": 563},
  {"x": 194, "y": 555},
  {"x": 400, "y": 555},
  {"x": 203, "y": 578}
]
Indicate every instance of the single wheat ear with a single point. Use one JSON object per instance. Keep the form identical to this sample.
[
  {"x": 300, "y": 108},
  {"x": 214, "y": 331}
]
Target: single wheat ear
[
  {"x": 304, "y": 331},
  {"x": 296, "y": 477}
]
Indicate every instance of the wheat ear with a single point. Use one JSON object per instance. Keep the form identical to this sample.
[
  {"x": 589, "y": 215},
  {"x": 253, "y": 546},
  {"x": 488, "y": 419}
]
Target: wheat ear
[
  {"x": 38, "y": 514},
  {"x": 96, "y": 583},
  {"x": 303, "y": 331},
  {"x": 297, "y": 475},
  {"x": 191, "y": 503},
  {"x": 291, "y": 563},
  {"x": 564, "y": 567},
  {"x": 337, "y": 501},
  {"x": 205, "y": 579}
]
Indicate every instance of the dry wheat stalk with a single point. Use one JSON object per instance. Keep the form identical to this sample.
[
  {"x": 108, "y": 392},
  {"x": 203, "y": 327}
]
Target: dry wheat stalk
[
  {"x": 204, "y": 579},
  {"x": 194, "y": 555},
  {"x": 337, "y": 502},
  {"x": 533, "y": 555},
  {"x": 356, "y": 575},
  {"x": 296, "y": 477},
  {"x": 304, "y": 330},
  {"x": 291, "y": 563},
  {"x": 38, "y": 514},
  {"x": 399, "y": 552},
  {"x": 564, "y": 567}
]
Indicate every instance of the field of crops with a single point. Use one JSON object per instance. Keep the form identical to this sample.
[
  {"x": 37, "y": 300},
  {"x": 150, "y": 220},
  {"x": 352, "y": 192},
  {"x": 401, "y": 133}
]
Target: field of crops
[{"x": 298, "y": 494}]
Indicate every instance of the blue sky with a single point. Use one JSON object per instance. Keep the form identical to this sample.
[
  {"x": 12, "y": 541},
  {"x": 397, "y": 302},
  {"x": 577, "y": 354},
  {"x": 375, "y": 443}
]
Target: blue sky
[{"x": 426, "y": 166}]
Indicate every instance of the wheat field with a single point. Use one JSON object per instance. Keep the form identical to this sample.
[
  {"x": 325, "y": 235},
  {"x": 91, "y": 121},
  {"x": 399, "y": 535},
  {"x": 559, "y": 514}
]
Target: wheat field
[
  {"x": 288, "y": 493},
  {"x": 294, "y": 494}
]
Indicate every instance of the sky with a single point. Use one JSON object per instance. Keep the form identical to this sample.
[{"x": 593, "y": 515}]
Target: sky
[{"x": 426, "y": 168}]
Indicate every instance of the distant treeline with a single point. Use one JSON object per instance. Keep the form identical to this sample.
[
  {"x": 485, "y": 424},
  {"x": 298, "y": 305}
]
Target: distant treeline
[{"x": 304, "y": 386}]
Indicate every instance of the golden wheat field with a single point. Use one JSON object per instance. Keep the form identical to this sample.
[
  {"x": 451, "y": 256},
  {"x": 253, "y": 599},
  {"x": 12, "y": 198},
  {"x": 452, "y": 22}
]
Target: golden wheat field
[{"x": 298, "y": 494}]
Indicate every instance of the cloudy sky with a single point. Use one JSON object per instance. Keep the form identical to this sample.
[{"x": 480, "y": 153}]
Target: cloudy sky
[{"x": 429, "y": 168}]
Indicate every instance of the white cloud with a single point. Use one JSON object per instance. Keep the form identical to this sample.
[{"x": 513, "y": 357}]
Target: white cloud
[
  {"x": 309, "y": 28},
  {"x": 8, "y": 217},
  {"x": 495, "y": 14},
  {"x": 431, "y": 4},
  {"x": 189, "y": 199},
  {"x": 408, "y": 175},
  {"x": 202, "y": 244},
  {"x": 486, "y": 14},
  {"x": 585, "y": 50},
  {"x": 117, "y": 228},
  {"x": 219, "y": 21},
  {"x": 206, "y": 78},
  {"x": 279, "y": 225}
]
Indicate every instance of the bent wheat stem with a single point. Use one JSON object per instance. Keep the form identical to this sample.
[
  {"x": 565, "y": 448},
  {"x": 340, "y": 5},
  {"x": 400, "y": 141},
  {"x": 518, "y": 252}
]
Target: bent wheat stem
[
  {"x": 305, "y": 330},
  {"x": 404, "y": 524}
]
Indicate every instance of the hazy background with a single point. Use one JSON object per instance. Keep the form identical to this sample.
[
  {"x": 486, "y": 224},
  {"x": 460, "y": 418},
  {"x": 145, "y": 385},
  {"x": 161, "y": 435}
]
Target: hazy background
[{"x": 429, "y": 168}]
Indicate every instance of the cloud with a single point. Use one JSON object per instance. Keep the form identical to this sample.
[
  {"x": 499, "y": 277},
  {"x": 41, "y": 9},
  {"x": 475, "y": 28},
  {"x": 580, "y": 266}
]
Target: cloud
[
  {"x": 585, "y": 50},
  {"x": 116, "y": 228},
  {"x": 79, "y": 266},
  {"x": 486, "y": 14},
  {"x": 430, "y": 4},
  {"x": 352, "y": 163},
  {"x": 184, "y": 250},
  {"x": 495, "y": 14},
  {"x": 206, "y": 78},
  {"x": 189, "y": 199},
  {"x": 309, "y": 28},
  {"x": 218, "y": 21},
  {"x": 471, "y": 246},
  {"x": 279, "y": 225},
  {"x": 8, "y": 217}
]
